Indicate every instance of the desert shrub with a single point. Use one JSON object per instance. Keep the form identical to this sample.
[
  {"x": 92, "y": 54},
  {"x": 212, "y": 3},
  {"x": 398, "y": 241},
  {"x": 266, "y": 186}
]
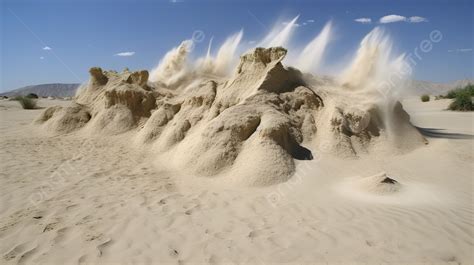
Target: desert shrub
[
  {"x": 463, "y": 101},
  {"x": 26, "y": 102},
  {"x": 469, "y": 88},
  {"x": 32, "y": 95},
  {"x": 439, "y": 97},
  {"x": 452, "y": 93},
  {"x": 425, "y": 98}
]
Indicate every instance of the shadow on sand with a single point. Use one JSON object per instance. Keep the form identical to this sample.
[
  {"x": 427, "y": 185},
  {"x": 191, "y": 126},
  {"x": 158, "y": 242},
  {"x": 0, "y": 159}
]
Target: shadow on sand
[{"x": 438, "y": 133}]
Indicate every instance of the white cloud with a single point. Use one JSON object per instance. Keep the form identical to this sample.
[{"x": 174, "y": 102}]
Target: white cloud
[
  {"x": 417, "y": 19},
  {"x": 310, "y": 20},
  {"x": 252, "y": 41},
  {"x": 363, "y": 20},
  {"x": 41, "y": 57},
  {"x": 398, "y": 18},
  {"x": 47, "y": 48},
  {"x": 124, "y": 54},
  {"x": 392, "y": 19},
  {"x": 461, "y": 50}
]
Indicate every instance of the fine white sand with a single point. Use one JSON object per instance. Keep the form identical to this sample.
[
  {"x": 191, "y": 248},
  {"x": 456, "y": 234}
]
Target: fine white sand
[{"x": 69, "y": 199}]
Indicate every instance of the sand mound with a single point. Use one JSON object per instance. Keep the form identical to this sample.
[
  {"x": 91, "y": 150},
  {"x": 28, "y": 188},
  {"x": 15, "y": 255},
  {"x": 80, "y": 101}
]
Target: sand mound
[
  {"x": 65, "y": 120},
  {"x": 379, "y": 184},
  {"x": 251, "y": 126},
  {"x": 111, "y": 103},
  {"x": 255, "y": 121},
  {"x": 351, "y": 124}
]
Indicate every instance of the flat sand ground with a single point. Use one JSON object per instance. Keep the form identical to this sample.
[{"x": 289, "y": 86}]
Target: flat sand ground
[{"x": 70, "y": 199}]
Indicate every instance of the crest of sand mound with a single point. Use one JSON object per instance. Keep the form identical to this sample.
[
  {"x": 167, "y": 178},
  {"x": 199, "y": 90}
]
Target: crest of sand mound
[
  {"x": 379, "y": 184},
  {"x": 247, "y": 129}
]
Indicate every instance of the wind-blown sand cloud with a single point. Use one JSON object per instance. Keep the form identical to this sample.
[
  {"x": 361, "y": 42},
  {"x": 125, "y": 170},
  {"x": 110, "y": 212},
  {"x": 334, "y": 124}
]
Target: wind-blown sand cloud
[
  {"x": 363, "y": 20},
  {"x": 285, "y": 23},
  {"x": 124, "y": 54},
  {"x": 392, "y": 19},
  {"x": 47, "y": 48}
]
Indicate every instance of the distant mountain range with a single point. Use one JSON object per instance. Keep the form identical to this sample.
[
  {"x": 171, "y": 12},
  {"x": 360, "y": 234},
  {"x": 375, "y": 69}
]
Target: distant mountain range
[
  {"x": 45, "y": 90},
  {"x": 416, "y": 87}
]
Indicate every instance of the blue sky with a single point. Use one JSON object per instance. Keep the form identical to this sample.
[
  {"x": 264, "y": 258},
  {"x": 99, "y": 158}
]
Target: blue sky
[{"x": 81, "y": 34}]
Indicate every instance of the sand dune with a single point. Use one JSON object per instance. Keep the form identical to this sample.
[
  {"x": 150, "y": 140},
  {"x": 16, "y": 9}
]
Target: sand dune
[
  {"x": 249, "y": 128},
  {"x": 102, "y": 201}
]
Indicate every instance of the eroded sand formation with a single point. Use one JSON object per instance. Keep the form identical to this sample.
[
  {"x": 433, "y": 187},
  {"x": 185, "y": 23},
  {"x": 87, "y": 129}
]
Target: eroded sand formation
[
  {"x": 250, "y": 127},
  {"x": 378, "y": 184}
]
